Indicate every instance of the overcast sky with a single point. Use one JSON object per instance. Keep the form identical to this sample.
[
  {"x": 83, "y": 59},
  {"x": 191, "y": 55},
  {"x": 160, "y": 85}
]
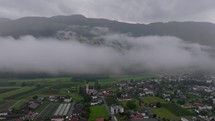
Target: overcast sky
[{"x": 141, "y": 11}]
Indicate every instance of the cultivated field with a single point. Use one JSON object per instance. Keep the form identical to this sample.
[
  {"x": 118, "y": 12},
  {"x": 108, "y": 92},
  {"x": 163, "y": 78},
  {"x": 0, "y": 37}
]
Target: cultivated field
[{"x": 48, "y": 111}]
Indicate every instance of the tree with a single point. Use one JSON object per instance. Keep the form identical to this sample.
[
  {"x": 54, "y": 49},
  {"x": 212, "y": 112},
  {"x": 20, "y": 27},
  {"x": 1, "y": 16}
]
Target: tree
[
  {"x": 154, "y": 116},
  {"x": 213, "y": 109},
  {"x": 181, "y": 101},
  {"x": 87, "y": 97},
  {"x": 140, "y": 101},
  {"x": 97, "y": 85},
  {"x": 118, "y": 94},
  {"x": 164, "y": 119},
  {"x": 111, "y": 100},
  {"x": 131, "y": 105},
  {"x": 81, "y": 90},
  {"x": 213, "y": 119},
  {"x": 23, "y": 84},
  {"x": 158, "y": 105},
  {"x": 35, "y": 97},
  {"x": 203, "y": 113}
]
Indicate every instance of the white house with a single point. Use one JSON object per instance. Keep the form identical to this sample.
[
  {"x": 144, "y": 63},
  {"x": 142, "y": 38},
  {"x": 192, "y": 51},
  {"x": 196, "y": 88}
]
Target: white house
[
  {"x": 205, "y": 107},
  {"x": 184, "y": 119},
  {"x": 115, "y": 109},
  {"x": 214, "y": 101}
]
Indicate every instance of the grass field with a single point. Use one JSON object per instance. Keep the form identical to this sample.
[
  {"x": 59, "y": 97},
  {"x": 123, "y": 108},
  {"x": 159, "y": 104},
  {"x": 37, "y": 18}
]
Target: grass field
[
  {"x": 177, "y": 110},
  {"x": 76, "y": 96},
  {"x": 61, "y": 86},
  {"x": 98, "y": 111},
  {"x": 153, "y": 99},
  {"x": 164, "y": 113},
  {"x": 7, "y": 84},
  {"x": 49, "y": 91}
]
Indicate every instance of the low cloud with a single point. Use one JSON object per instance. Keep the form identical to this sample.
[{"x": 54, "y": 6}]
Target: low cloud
[{"x": 118, "y": 53}]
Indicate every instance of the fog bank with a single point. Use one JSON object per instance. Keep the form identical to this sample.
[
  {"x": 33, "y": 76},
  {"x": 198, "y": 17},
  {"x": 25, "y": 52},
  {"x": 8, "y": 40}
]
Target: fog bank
[{"x": 119, "y": 53}]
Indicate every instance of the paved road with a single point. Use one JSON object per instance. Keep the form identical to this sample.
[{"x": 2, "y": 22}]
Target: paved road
[{"x": 113, "y": 118}]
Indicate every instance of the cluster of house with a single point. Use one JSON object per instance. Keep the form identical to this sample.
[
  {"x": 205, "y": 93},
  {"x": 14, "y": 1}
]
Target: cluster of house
[
  {"x": 173, "y": 88},
  {"x": 78, "y": 110},
  {"x": 27, "y": 110},
  {"x": 142, "y": 114}
]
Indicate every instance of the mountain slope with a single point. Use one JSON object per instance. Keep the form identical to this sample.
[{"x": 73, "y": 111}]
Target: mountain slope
[{"x": 201, "y": 32}]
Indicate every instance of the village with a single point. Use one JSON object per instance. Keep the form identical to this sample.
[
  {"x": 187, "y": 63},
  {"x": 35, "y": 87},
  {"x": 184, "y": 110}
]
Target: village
[{"x": 159, "y": 98}]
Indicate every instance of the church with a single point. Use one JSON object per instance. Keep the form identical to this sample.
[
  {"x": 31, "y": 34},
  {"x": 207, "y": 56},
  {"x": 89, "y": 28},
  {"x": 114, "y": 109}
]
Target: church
[{"x": 90, "y": 89}]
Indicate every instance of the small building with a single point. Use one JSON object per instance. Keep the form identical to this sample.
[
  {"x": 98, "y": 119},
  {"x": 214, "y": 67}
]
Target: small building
[
  {"x": 57, "y": 119},
  {"x": 115, "y": 109},
  {"x": 100, "y": 119},
  {"x": 34, "y": 105},
  {"x": 187, "y": 106},
  {"x": 205, "y": 107},
  {"x": 53, "y": 98},
  {"x": 152, "y": 104},
  {"x": 145, "y": 112},
  {"x": 214, "y": 101},
  {"x": 137, "y": 116},
  {"x": 67, "y": 99},
  {"x": 78, "y": 108},
  {"x": 145, "y": 119}
]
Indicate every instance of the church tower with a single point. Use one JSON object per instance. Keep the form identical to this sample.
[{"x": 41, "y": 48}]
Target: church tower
[{"x": 87, "y": 88}]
